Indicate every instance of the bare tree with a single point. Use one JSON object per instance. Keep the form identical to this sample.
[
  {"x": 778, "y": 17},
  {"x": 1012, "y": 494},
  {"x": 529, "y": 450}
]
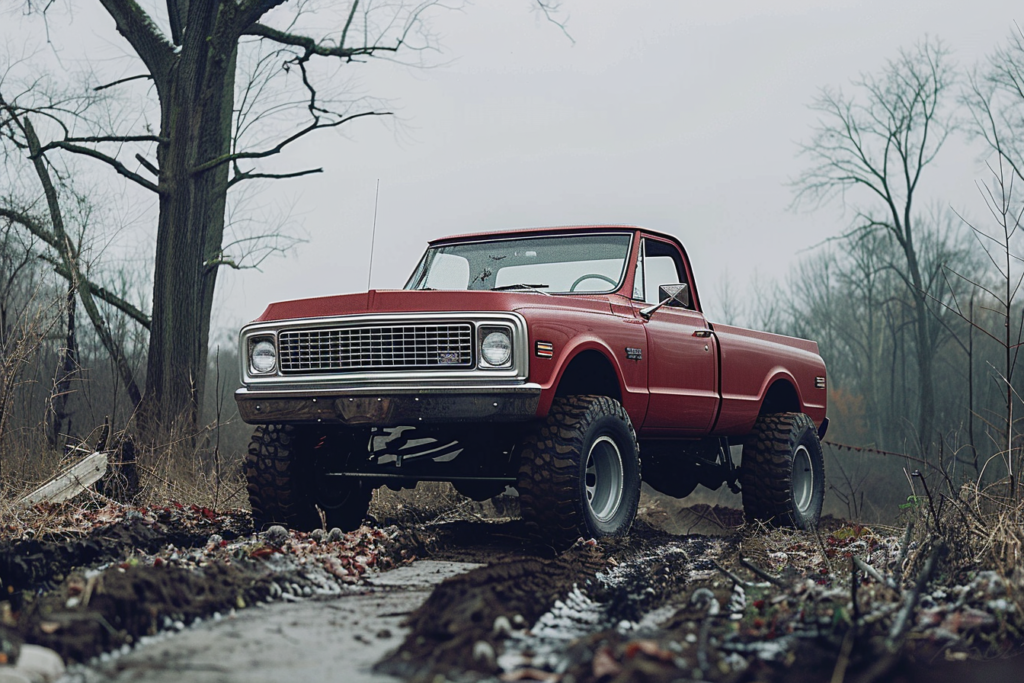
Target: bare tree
[
  {"x": 207, "y": 142},
  {"x": 873, "y": 148},
  {"x": 1000, "y": 294},
  {"x": 730, "y": 305},
  {"x": 994, "y": 97},
  {"x": 995, "y": 101},
  {"x": 18, "y": 267},
  {"x": 51, "y": 229}
]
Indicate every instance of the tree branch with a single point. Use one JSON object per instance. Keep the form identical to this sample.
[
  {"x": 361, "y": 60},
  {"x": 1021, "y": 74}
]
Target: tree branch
[
  {"x": 118, "y": 166},
  {"x": 148, "y": 165},
  {"x": 69, "y": 259},
  {"x": 251, "y": 11},
  {"x": 120, "y": 81},
  {"x": 312, "y": 47},
  {"x": 145, "y": 38},
  {"x": 241, "y": 175},
  {"x": 116, "y": 138},
  {"x": 104, "y": 294},
  {"x": 176, "y": 15},
  {"x": 316, "y": 125},
  {"x": 549, "y": 8},
  {"x": 51, "y": 240}
]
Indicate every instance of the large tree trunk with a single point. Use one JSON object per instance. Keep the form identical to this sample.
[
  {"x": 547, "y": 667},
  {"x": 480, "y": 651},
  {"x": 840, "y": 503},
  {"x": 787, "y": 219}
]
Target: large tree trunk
[
  {"x": 926, "y": 383},
  {"x": 196, "y": 121},
  {"x": 193, "y": 71},
  {"x": 924, "y": 342}
]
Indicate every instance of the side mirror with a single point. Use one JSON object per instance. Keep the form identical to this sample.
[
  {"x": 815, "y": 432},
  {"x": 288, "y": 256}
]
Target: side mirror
[
  {"x": 668, "y": 293},
  {"x": 678, "y": 292}
]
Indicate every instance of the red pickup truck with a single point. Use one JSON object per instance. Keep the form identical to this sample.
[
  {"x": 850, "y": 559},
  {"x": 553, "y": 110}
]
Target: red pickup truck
[{"x": 558, "y": 361}]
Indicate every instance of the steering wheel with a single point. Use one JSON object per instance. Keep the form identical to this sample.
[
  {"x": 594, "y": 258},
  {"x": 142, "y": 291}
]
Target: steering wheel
[{"x": 589, "y": 276}]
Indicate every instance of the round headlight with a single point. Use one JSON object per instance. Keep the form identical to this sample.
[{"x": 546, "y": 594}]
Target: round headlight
[
  {"x": 496, "y": 348},
  {"x": 264, "y": 357}
]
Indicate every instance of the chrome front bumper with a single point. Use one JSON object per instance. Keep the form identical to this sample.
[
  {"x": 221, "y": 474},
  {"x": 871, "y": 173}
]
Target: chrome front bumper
[{"x": 390, "y": 406}]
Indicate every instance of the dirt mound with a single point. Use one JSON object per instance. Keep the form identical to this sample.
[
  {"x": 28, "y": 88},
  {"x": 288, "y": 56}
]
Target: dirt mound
[
  {"x": 818, "y": 618},
  {"x": 464, "y": 618},
  {"x": 40, "y": 562},
  {"x": 465, "y": 624},
  {"x": 759, "y": 604},
  {"x": 116, "y": 608},
  {"x": 101, "y": 579}
]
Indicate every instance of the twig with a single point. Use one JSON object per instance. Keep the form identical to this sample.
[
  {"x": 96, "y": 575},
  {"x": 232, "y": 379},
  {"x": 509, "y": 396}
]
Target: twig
[
  {"x": 931, "y": 503},
  {"x": 233, "y": 494},
  {"x": 760, "y": 572},
  {"x": 824, "y": 552},
  {"x": 902, "y": 620},
  {"x": 839, "y": 673},
  {"x": 854, "y": 582},
  {"x": 873, "y": 573},
  {"x": 168, "y": 483},
  {"x": 120, "y": 81},
  {"x": 904, "y": 547},
  {"x": 735, "y": 579},
  {"x": 706, "y": 596}
]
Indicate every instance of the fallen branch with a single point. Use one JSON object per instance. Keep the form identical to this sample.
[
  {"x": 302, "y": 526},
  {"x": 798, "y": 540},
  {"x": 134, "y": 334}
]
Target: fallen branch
[
  {"x": 873, "y": 573},
  {"x": 904, "y": 547},
  {"x": 735, "y": 579},
  {"x": 902, "y": 620},
  {"x": 760, "y": 572},
  {"x": 69, "y": 483}
]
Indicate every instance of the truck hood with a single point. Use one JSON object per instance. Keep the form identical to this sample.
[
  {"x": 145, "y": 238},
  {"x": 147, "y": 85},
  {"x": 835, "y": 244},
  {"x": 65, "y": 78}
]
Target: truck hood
[{"x": 414, "y": 301}]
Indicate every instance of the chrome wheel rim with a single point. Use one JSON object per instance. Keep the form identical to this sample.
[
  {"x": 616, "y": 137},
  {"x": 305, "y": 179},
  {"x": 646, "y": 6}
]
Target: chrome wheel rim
[
  {"x": 603, "y": 479},
  {"x": 803, "y": 480}
]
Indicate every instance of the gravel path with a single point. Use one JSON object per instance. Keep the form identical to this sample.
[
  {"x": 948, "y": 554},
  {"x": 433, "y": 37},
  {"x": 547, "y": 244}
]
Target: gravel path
[{"x": 334, "y": 639}]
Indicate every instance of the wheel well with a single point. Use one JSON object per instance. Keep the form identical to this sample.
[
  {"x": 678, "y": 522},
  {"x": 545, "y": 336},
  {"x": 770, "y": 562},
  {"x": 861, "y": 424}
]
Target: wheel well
[
  {"x": 780, "y": 398},
  {"x": 590, "y": 372}
]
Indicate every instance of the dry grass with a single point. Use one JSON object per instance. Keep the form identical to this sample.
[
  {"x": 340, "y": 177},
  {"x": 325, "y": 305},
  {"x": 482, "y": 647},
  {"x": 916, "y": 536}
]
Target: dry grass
[
  {"x": 177, "y": 471},
  {"x": 187, "y": 470},
  {"x": 983, "y": 528},
  {"x": 29, "y": 462}
]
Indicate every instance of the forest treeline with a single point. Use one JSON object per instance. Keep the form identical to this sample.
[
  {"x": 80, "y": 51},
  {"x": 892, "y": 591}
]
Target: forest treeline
[{"x": 916, "y": 307}]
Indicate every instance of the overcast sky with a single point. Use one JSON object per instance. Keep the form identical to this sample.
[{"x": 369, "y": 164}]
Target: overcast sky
[{"x": 681, "y": 116}]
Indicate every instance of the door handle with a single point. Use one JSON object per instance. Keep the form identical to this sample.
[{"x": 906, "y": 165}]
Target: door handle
[{"x": 702, "y": 334}]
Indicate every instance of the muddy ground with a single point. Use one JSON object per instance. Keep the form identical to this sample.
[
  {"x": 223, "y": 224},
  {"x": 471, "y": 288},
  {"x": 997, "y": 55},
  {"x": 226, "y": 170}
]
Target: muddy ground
[{"x": 692, "y": 594}]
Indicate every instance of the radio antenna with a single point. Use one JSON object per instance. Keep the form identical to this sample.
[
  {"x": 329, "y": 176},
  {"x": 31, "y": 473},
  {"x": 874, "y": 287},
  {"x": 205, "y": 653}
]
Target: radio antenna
[{"x": 373, "y": 233}]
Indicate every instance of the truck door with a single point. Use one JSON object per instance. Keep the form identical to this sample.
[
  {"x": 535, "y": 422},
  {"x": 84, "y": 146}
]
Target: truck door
[{"x": 682, "y": 362}]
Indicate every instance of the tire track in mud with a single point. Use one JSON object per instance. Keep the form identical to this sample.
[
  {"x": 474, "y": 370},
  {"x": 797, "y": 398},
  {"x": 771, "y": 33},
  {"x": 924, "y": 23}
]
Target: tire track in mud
[
  {"x": 505, "y": 617},
  {"x": 530, "y": 614},
  {"x": 319, "y": 639},
  {"x": 631, "y": 597},
  {"x": 86, "y": 591}
]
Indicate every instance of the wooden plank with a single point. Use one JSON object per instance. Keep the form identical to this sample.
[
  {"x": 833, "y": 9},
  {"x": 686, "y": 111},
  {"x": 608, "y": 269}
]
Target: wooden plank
[{"x": 71, "y": 482}]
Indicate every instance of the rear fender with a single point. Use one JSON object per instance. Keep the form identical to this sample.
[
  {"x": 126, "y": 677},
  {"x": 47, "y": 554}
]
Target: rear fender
[{"x": 780, "y": 374}]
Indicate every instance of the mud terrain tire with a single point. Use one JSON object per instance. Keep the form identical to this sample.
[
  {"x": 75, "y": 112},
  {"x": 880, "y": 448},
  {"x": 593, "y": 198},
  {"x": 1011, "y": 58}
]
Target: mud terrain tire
[
  {"x": 783, "y": 471},
  {"x": 284, "y": 486},
  {"x": 579, "y": 473}
]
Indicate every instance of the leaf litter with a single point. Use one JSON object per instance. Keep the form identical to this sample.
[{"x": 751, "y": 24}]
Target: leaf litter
[
  {"x": 760, "y": 604},
  {"x": 850, "y": 603},
  {"x": 88, "y": 582}
]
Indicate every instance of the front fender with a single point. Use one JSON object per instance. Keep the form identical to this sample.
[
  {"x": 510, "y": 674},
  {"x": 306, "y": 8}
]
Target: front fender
[{"x": 633, "y": 398}]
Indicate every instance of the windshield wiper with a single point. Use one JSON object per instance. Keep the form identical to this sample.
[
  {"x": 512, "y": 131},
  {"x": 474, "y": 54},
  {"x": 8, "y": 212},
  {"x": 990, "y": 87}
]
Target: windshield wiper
[{"x": 519, "y": 285}]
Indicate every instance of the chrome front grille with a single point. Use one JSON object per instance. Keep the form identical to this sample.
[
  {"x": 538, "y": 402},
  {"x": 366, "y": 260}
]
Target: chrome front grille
[{"x": 376, "y": 347}]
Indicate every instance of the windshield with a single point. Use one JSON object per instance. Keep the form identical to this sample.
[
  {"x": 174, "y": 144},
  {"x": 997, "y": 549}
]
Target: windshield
[{"x": 594, "y": 263}]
